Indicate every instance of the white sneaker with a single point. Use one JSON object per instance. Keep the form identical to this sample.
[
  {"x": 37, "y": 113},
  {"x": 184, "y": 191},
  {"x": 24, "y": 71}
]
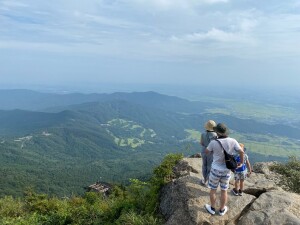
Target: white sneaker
[
  {"x": 222, "y": 213},
  {"x": 209, "y": 209}
]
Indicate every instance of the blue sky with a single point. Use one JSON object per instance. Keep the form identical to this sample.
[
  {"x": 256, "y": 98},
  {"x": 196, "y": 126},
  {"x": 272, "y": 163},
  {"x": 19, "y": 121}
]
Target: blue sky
[{"x": 199, "y": 42}]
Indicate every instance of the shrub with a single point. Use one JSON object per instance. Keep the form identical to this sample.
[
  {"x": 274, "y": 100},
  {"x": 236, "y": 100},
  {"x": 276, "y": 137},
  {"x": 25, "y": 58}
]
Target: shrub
[
  {"x": 132, "y": 218},
  {"x": 135, "y": 204},
  {"x": 10, "y": 207},
  {"x": 290, "y": 172},
  {"x": 162, "y": 174},
  {"x": 92, "y": 197}
]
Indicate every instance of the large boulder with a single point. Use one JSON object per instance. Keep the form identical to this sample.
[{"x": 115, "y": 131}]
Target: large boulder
[
  {"x": 273, "y": 208},
  {"x": 182, "y": 200},
  {"x": 262, "y": 167}
]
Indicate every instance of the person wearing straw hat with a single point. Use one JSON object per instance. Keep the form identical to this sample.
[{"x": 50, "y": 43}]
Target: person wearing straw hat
[{"x": 207, "y": 159}]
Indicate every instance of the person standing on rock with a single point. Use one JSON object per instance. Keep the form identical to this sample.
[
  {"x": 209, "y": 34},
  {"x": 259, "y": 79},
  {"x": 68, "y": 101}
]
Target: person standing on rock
[
  {"x": 219, "y": 174},
  {"x": 241, "y": 173},
  {"x": 207, "y": 159}
]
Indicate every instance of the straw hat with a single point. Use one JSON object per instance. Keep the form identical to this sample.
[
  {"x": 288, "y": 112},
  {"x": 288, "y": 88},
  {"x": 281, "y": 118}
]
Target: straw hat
[{"x": 209, "y": 125}]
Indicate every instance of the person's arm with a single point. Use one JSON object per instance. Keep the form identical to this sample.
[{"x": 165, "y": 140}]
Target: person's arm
[
  {"x": 249, "y": 167},
  {"x": 207, "y": 151},
  {"x": 240, "y": 149},
  {"x": 240, "y": 164},
  {"x": 209, "y": 148}
]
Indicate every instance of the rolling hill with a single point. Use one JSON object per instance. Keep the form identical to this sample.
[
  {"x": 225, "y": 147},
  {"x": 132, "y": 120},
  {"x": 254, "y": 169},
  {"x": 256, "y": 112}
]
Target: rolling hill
[{"x": 120, "y": 136}]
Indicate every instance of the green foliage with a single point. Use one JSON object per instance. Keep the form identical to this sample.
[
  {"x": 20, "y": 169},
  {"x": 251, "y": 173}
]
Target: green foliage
[
  {"x": 132, "y": 218},
  {"x": 10, "y": 207},
  {"x": 77, "y": 149},
  {"x": 59, "y": 153},
  {"x": 163, "y": 173},
  {"x": 135, "y": 204},
  {"x": 290, "y": 172}
]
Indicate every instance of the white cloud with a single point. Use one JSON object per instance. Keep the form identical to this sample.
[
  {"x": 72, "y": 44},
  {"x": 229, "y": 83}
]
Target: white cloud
[
  {"x": 173, "y": 4},
  {"x": 247, "y": 25},
  {"x": 12, "y": 3},
  {"x": 214, "y": 35},
  {"x": 103, "y": 20},
  {"x": 129, "y": 31},
  {"x": 33, "y": 46},
  {"x": 139, "y": 27}
]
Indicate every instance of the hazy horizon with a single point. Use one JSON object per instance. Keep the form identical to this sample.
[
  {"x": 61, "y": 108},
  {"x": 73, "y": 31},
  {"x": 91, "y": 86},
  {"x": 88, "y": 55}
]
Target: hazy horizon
[
  {"x": 271, "y": 95},
  {"x": 85, "y": 44}
]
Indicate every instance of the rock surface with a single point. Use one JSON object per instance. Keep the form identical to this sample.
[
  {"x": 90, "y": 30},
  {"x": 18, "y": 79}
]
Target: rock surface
[{"x": 182, "y": 200}]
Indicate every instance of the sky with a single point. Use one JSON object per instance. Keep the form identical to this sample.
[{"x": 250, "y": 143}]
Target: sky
[{"x": 150, "y": 42}]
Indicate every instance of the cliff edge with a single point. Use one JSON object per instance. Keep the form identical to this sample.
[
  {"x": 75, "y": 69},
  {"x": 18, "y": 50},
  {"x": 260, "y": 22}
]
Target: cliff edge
[{"x": 263, "y": 203}]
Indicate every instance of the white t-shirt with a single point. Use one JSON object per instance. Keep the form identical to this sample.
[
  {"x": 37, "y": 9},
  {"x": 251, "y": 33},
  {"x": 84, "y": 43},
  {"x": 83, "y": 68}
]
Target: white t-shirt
[{"x": 229, "y": 144}]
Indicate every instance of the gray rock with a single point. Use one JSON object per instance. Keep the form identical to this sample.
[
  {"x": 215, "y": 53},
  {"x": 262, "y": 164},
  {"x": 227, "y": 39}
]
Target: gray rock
[
  {"x": 182, "y": 200},
  {"x": 187, "y": 166},
  {"x": 262, "y": 167},
  {"x": 273, "y": 208}
]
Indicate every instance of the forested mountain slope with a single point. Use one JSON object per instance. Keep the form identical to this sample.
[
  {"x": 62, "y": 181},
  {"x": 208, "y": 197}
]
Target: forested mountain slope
[{"x": 73, "y": 145}]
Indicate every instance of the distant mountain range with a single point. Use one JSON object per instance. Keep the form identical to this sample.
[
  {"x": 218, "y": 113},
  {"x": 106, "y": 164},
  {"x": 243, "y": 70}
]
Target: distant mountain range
[
  {"x": 31, "y": 100},
  {"x": 47, "y": 109},
  {"x": 60, "y": 143}
]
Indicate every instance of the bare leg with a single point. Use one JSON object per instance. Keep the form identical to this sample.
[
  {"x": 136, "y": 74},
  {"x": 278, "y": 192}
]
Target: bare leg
[
  {"x": 242, "y": 185},
  {"x": 223, "y": 199},
  {"x": 213, "y": 197},
  {"x": 236, "y": 185}
]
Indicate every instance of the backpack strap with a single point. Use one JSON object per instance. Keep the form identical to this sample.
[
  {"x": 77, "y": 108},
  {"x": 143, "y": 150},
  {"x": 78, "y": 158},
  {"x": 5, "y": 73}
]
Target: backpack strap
[
  {"x": 229, "y": 159},
  {"x": 225, "y": 152}
]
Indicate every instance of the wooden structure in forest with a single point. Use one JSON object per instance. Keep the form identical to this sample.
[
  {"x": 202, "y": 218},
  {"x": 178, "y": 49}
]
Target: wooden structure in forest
[{"x": 100, "y": 187}]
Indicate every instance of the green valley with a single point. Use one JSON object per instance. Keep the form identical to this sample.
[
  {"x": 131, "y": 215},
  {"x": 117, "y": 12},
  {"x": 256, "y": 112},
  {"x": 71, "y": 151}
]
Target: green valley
[{"x": 112, "y": 138}]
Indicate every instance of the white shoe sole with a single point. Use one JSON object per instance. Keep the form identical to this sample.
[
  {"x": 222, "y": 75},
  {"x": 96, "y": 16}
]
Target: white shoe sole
[
  {"x": 208, "y": 208},
  {"x": 225, "y": 211}
]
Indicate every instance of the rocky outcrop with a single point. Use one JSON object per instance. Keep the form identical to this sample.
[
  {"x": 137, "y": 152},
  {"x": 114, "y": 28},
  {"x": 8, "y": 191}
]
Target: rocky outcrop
[
  {"x": 273, "y": 207},
  {"x": 182, "y": 200}
]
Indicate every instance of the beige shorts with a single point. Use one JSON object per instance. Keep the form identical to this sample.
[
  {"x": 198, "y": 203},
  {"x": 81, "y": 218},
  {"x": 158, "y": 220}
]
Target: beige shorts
[{"x": 240, "y": 175}]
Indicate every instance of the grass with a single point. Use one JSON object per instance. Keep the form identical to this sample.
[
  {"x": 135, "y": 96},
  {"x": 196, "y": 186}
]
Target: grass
[
  {"x": 253, "y": 110},
  {"x": 131, "y": 128},
  {"x": 263, "y": 144},
  {"x": 290, "y": 172},
  {"x": 269, "y": 144},
  {"x": 193, "y": 135},
  {"x": 135, "y": 142}
]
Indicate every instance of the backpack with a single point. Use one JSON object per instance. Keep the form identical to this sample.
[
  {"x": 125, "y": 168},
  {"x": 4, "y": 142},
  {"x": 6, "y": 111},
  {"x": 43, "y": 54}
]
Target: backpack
[{"x": 230, "y": 160}]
